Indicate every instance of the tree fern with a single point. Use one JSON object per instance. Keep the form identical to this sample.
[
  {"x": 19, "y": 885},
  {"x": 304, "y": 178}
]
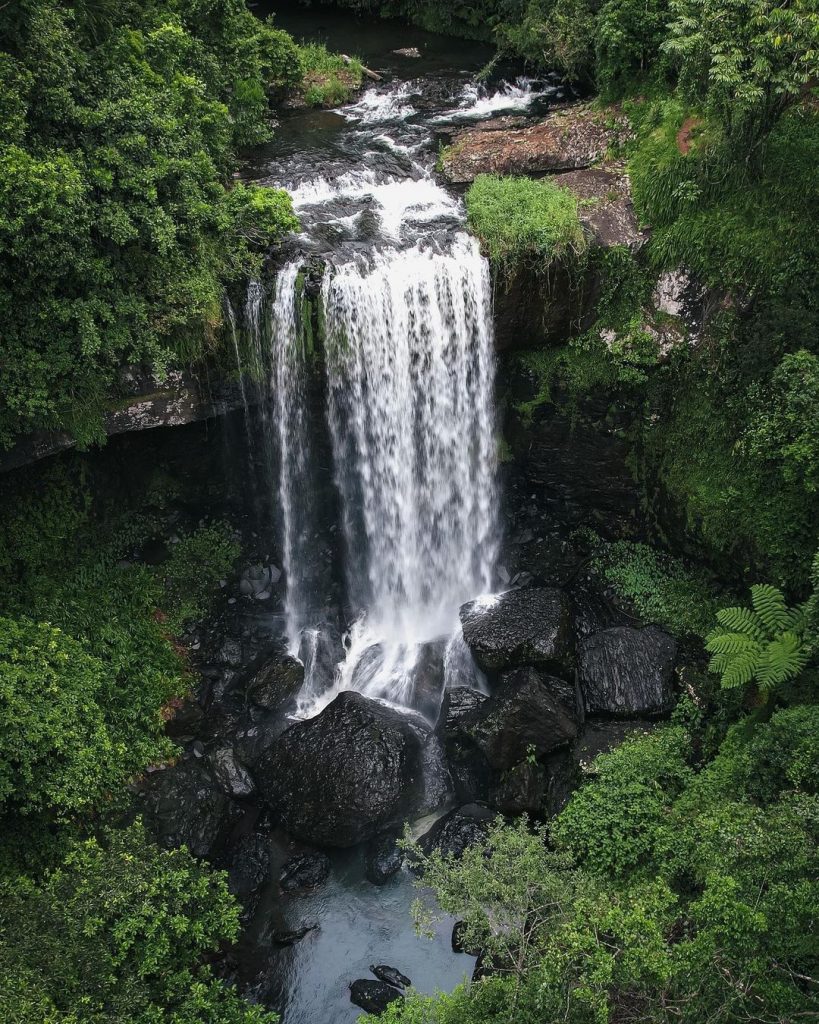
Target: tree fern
[{"x": 764, "y": 644}]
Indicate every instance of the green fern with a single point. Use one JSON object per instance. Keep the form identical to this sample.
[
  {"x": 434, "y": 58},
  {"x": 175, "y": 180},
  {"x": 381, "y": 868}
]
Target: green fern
[{"x": 764, "y": 644}]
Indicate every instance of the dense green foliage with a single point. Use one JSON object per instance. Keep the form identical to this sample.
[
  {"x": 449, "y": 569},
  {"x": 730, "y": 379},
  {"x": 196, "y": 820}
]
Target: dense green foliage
[
  {"x": 524, "y": 223},
  {"x": 660, "y": 587},
  {"x": 118, "y": 932},
  {"x": 99, "y": 929},
  {"x": 107, "y": 649},
  {"x": 118, "y": 225},
  {"x": 668, "y": 889}
]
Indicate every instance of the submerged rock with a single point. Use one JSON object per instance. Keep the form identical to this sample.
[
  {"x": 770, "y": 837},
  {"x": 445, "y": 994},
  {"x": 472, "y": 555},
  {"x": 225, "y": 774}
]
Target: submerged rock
[
  {"x": 625, "y": 671},
  {"x": 373, "y": 996},
  {"x": 529, "y": 714},
  {"x": 305, "y": 871},
  {"x": 339, "y": 778},
  {"x": 521, "y": 627},
  {"x": 391, "y": 975}
]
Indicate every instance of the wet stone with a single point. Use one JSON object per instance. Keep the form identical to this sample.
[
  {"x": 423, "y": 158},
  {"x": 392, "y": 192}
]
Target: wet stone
[{"x": 305, "y": 871}]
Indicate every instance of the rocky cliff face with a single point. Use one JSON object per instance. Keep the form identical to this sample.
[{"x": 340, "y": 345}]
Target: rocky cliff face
[{"x": 146, "y": 402}]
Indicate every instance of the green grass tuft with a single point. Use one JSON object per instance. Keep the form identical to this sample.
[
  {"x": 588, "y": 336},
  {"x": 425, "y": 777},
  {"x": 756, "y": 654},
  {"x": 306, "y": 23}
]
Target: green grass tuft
[
  {"x": 328, "y": 80},
  {"x": 522, "y": 222}
]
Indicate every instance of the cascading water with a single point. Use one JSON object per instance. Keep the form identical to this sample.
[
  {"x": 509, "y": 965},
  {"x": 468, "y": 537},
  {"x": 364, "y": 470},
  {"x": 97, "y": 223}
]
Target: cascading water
[
  {"x": 293, "y": 435},
  {"x": 410, "y": 398},
  {"x": 406, "y": 308}
]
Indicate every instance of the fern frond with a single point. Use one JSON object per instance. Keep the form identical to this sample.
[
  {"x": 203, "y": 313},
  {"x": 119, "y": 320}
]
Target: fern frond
[
  {"x": 741, "y": 670},
  {"x": 769, "y": 605},
  {"x": 728, "y": 643},
  {"x": 720, "y": 662},
  {"x": 742, "y": 620},
  {"x": 783, "y": 659}
]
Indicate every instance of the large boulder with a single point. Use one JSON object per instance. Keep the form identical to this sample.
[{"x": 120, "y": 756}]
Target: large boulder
[
  {"x": 530, "y": 713},
  {"x": 567, "y": 139},
  {"x": 625, "y": 671},
  {"x": 230, "y": 774},
  {"x": 605, "y": 209},
  {"x": 184, "y": 806},
  {"x": 521, "y": 627},
  {"x": 341, "y": 777}
]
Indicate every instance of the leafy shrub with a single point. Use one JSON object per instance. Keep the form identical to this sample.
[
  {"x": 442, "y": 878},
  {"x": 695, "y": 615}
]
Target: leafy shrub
[
  {"x": 523, "y": 222},
  {"x": 763, "y": 644},
  {"x": 660, "y": 586},
  {"x": 746, "y": 61},
  {"x": 611, "y": 824},
  {"x": 197, "y": 561},
  {"x": 55, "y": 750},
  {"x": 119, "y": 932},
  {"x": 782, "y": 424},
  {"x": 554, "y": 34}
]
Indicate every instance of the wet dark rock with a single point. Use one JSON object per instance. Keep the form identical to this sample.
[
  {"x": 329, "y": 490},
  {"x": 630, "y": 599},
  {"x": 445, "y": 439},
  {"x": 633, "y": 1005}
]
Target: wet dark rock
[
  {"x": 249, "y": 865},
  {"x": 459, "y": 702},
  {"x": 258, "y": 581},
  {"x": 373, "y": 996},
  {"x": 231, "y": 774},
  {"x": 625, "y": 671},
  {"x": 284, "y": 937},
  {"x": 320, "y": 650},
  {"x": 455, "y": 832},
  {"x": 183, "y": 805},
  {"x": 275, "y": 684},
  {"x": 529, "y": 714},
  {"x": 186, "y": 720},
  {"x": 520, "y": 790},
  {"x": 339, "y": 778},
  {"x": 382, "y": 858},
  {"x": 522, "y": 627},
  {"x": 391, "y": 975},
  {"x": 428, "y": 680},
  {"x": 459, "y": 944},
  {"x": 592, "y": 609},
  {"x": 369, "y": 664},
  {"x": 305, "y": 871},
  {"x": 230, "y": 653},
  {"x": 602, "y": 735}
]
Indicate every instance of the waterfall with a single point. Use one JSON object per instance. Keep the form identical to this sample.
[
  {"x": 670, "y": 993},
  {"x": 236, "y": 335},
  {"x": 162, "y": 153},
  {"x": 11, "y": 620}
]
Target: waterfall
[
  {"x": 410, "y": 376},
  {"x": 289, "y": 360}
]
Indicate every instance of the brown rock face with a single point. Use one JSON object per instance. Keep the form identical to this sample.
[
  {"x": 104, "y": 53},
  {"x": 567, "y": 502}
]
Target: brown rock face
[{"x": 567, "y": 139}]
